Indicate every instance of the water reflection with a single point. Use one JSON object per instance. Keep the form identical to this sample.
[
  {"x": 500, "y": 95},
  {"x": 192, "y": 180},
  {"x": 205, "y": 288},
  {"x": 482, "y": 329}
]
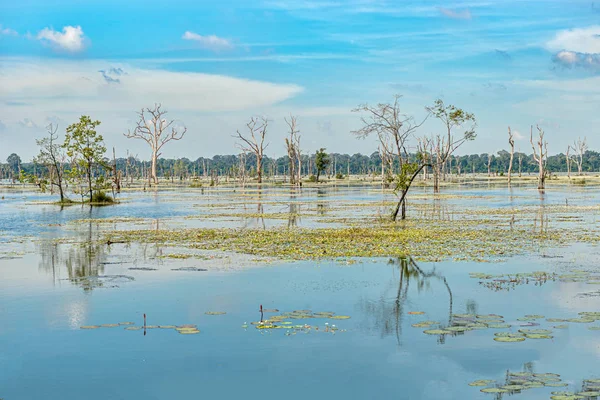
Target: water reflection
[{"x": 388, "y": 313}]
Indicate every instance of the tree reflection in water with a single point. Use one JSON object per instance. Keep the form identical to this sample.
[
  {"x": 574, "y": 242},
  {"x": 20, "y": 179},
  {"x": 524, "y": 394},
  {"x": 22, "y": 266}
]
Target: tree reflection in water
[{"x": 389, "y": 313}]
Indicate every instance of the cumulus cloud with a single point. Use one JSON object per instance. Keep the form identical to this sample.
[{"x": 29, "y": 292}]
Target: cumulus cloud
[
  {"x": 577, "y": 48},
  {"x": 571, "y": 59},
  {"x": 71, "y": 39},
  {"x": 211, "y": 42},
  {"x": 582, "y": 40},
  {"x": 454, "y": 14},
  {"x": 7, "y": 31},
  {"x": 518, "y": 135}
]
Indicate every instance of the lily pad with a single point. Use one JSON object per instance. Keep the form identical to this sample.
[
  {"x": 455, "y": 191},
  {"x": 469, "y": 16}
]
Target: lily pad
[
  {"x": 481, "y": 382},
  {"x": 340, "y": 317},
  {"x": 509, "y": 339},
  {"x": 494, "y": 390},
  {"x": 89, "y": 327},
  {"x": 416, "y": 312},
  {"x": 436, "y": 332}
]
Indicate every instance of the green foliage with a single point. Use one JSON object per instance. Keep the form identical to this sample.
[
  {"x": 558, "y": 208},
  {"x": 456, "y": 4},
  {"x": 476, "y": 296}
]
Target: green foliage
[
  {"x": 403, "y": 179},
  {"x": 339, "y": 175},
  {"x": 14, "y": 162},
  {"x": 312, "y": 178},
  {"x": 454, "y": 117},
  {"x": 86, "y": 149},
  {"x": 102, "y": 197},
  {"x": 322, "y": 161}
]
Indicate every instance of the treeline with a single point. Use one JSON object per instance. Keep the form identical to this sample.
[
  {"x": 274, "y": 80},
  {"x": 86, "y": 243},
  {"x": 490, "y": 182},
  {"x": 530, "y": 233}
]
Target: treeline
[{"x": 357, "y": 164}]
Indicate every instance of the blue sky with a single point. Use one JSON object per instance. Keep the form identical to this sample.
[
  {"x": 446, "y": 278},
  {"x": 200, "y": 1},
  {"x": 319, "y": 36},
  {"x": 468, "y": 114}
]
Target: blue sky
[{"x": 215, "y": 64}]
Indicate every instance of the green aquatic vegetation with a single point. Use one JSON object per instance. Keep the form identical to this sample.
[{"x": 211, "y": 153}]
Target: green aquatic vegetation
[
  {"x": 494, "y": 390},
  {"x": 507, "y": 339},
  {"x": 535, "y": 331},
  {"x": 538, "y": 336},
  {"x": 90, "y": 327},
  {"x": 437, "y": 332},
  {"x": 109, "y": 325},
  {"x": 340, "y": 317},
  {"x": 481, "y": 382},
  {"x": 560, "y": 326}
]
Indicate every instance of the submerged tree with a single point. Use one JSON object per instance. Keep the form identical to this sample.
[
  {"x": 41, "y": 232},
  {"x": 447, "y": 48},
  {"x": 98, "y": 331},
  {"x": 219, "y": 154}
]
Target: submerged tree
[
  {"x": 511, "y": 142},
  {"x": 292, "y": 145},
  {"x": 86, "y": 149},
  {"x": 453, "y": 118},
  {"x": 540, "y": 155},
  {"x": 255, "y": 143},
  {"x": 394, "y": 129},
  {"x": 322, "y": 161},
  {"x": 52, "y": 156},
  {"x": 155, "y": 130},
  {"x": 581, "y": 147}
]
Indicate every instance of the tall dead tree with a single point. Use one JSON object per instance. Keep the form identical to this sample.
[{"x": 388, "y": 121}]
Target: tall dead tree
[
  {"x": 568, "y": 161},
  {"x": 54, "y": 158},
  {"x": 489, "y": 165},
  {"x": 540, "y": 155},
  {"x": 511, "y": 142},
  {"x": 155, "y": 130},
  {"x": 393, "y": 129},
  {"x": 581, "y": 147},
  {"x": 255, "y": 143},
  {"x": 293, "y": 149},
  {"x": 520, "y": 157},
  {"x": 453, "y": 118}
]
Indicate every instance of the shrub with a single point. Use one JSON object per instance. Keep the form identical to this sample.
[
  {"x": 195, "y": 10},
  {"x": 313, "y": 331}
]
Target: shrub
[
  {"x": 312, "y": 178},
  {"x": 101, "y": 197},
  {"x": 339, "y": 175}
]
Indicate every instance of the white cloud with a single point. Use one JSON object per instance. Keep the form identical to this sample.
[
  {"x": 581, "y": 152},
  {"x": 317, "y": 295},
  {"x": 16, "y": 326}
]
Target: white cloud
[
  {"x": 571, "y": 59},
  {"x": 466, "y": 14},
  {"x": 81, "y": 88},
  {"x": 71, "y": 39},
  {"x": 7, "y": 31},
  {"x": 582, "y": 40},
  {"x": 518, "y": 135},
  {"x": 210, "y": 42},
  {"x": 28, "y": 123}
]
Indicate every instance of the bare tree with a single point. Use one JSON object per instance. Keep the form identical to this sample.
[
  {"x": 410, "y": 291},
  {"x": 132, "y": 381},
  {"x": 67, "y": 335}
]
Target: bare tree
[
  {"x": 393, "y": 129},
  {"x": 511, "y": 142},
  {"x": 581, "y": 147},
  {"x": 445, "y": 144},
  {"x": 155, "y": 130},
  {"x": 489, "y": 164},
  {"x": 520, "y": 157},
  {"x": 54, "y": 158},
  {"x": 255, "y": 143},
  {"x": 568, "y": 160},
  {"x": 540, "y": 155},
  {"x": 293, "y": 149}
]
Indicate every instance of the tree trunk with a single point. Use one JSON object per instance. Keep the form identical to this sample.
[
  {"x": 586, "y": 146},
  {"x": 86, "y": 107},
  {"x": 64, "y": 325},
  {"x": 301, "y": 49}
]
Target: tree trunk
[
  {"x": 259, "y": 168},
  {"x": 542, "y": 176},
  {"x": 510, "y": 165},
  {"x": 402, "y": 201},
  {"x": 89, "y": 171},
  {"x": 153, "y": 177}
]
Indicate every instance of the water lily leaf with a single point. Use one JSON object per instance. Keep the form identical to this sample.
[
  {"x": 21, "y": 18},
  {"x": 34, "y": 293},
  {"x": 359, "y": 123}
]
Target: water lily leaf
[
  {"x": 560, "y": 326},
  {"x": 535, "y": 331},
  {"x": 167, "y": 327},
  {"x": 133, "y": 328},
  {"x": 457, "y": 328},
  {"x": 509, "y": 339},
  {"x": 188, "y": 331},
  {"x": 340, "y": 317},
  {"x": 126, "y": 323},
  {"x": 494, "y": 390},
  {"x": 498, "y": 326},
  {"x": 436, "y": 332},
  {"x": 538, "y": 336},
  {"x": 270, "y": 310},
  {"x": 109, "y": 325},
  {"x": 481, "y": 382},
  {"x": 89, "y": 327},
  {"x": 513, "y": 388},
  {"x": 416, "y": 312}
]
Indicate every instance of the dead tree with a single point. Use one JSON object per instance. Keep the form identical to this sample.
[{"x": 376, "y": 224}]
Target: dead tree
[
  {"x": 520, "y": 157},
  {"x": 255, "y": 143},
  {"x": 393, "y": 129},
  {"x": 540, "y": 155},
  {"x": 489, "y": 165},
  {"x": 511, "y": 142},
  {"x": 293, "y": 149},
  {"x": 54, "y": 158},
  {"x": 568, "y": 161},
  {"x": 581, "y": 147},
  {"x": 155, "y": 130},
  {"x": 453, "y": 118}
]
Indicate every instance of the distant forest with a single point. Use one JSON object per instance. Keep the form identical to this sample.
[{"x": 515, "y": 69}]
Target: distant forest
[{"x": 357, "y": 164}]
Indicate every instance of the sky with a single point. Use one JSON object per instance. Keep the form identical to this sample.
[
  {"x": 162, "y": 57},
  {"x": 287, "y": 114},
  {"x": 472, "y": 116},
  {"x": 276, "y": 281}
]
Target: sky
[{"x": 215, "y": 64}]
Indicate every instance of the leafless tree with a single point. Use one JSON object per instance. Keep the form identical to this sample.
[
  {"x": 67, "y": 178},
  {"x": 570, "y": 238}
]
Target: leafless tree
[
  {"x": 568, "y": 160},
  {"x": 293, "y": 149},
  {"x": 489, "y": 165},
  {"x": 255, "y": 142},
  {"x": 540, "y": 155},
  {"x": 155, "y": 130},
  {"x": 581, "y": 147},
  {"x": 511, "y": 142},
  {"x": 393, "y": 129},
  {"x": 445, "y": 144},
  {"x": 520, "y": 157},
  {"x": 54, "y": 158}
]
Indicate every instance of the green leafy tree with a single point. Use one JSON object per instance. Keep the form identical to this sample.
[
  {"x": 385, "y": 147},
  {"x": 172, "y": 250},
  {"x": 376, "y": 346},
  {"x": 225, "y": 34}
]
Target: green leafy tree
[
  {"x": 322, "y": 161},
  {"x": 14, "y": 163},
  {"x": 86, "y": 149}
]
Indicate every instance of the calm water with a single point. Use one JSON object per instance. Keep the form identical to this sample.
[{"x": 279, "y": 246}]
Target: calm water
[{"x": 48, "y": 291}]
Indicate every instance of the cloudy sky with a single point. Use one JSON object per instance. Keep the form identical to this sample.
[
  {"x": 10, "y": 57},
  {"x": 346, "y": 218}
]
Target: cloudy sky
[{"x": 213, "y": 64}]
